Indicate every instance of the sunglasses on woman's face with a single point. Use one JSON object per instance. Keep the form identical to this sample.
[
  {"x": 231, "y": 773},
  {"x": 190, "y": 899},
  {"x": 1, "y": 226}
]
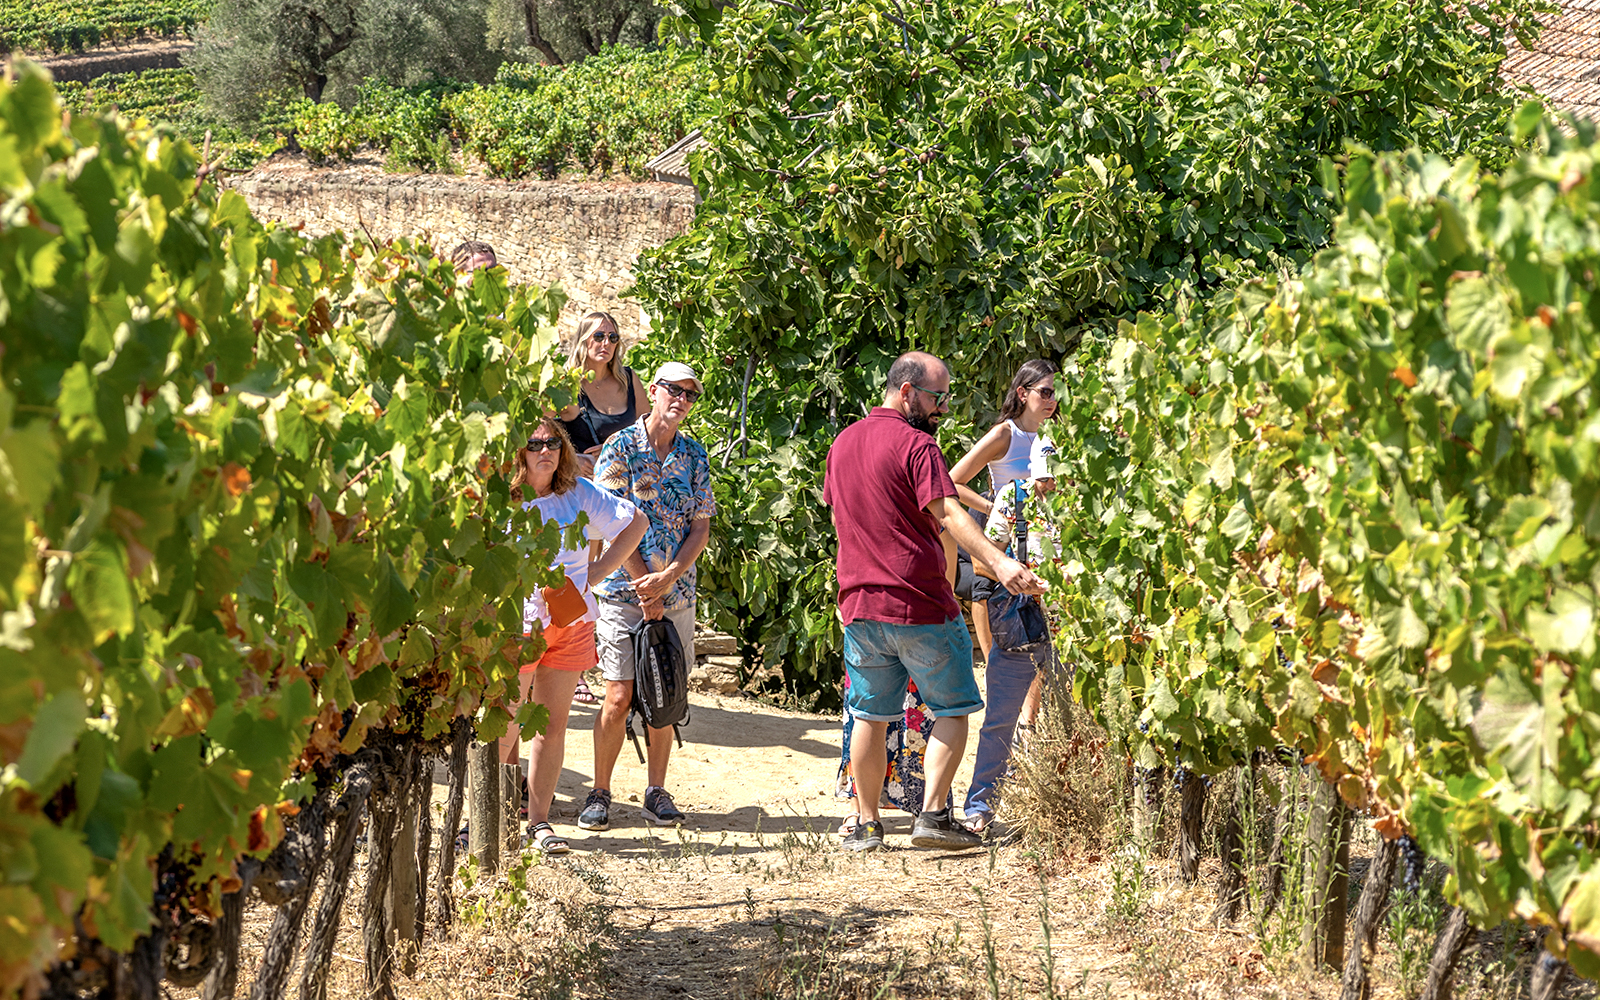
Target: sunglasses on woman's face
[
  {"x": 677, "y": 390},
  {"x": 1045, "y": 393},
  {"x": 600, "y": 336},
  {"x": 544, "y": 444}
]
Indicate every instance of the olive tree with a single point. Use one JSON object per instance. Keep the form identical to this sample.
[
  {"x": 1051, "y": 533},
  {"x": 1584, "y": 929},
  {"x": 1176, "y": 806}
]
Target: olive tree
[
  {"x": 253, "y": 52},
  {"x": 564, "y": 31}
]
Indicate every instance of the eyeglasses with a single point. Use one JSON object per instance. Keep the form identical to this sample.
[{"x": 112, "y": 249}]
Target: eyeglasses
[
  {"x": 601, "y": 336},
  {"x": 1044, "y": 393},
  {"x": 544, "y": 444},
  {"x": 677, "y": 390},
  {"x": 938, "y": 397}
]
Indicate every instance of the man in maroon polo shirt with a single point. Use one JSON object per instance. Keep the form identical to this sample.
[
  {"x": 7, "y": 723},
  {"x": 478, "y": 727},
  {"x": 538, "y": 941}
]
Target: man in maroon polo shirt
[{"x": 891, "y": 493}]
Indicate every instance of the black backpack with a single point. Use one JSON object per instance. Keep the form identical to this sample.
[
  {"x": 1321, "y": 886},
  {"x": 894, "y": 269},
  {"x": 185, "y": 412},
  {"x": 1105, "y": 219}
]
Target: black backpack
[{"x": 660, "y": 681}]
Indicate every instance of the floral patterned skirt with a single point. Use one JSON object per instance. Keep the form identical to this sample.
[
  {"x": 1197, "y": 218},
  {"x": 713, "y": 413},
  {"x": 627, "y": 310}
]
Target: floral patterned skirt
[{"x": 906, "y": 745}]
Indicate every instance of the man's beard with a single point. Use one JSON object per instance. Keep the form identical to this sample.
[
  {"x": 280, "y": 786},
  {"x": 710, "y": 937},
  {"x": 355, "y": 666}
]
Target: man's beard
[{"x": 926, "y": 421}]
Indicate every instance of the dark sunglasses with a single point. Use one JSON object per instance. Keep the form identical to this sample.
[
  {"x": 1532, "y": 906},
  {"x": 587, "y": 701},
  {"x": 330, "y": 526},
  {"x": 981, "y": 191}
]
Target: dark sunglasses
[
  {"x": 544, "y": 444},
  {"x": 1045, "y": 393},
  {"x": 677, "y": 390},
  {"x": 601, "y": 335}
]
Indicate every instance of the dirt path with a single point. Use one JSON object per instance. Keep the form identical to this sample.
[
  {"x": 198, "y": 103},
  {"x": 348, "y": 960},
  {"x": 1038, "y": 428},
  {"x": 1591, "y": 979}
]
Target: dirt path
[
  {"x": 753, "y": 900},
  {"x": 753, "y": 897}
]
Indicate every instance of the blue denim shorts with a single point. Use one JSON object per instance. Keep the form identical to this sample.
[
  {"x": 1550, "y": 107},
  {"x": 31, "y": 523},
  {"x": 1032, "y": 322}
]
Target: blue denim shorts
[{"x": 881, "y": 657}]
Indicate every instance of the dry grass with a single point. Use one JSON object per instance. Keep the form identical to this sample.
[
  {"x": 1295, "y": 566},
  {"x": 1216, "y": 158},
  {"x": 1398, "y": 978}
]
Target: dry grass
[{"x": 1065, "y": 792}]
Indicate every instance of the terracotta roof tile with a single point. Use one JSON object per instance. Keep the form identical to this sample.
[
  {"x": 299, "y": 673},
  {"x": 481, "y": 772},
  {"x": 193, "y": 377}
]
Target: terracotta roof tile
[{"x": 1564, "y": 64}]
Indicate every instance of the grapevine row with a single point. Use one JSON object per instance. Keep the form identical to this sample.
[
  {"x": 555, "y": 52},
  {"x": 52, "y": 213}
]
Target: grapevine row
[
  {"x": 254, "y": 527},
  {"x": 1356, "y": 512},
  {"x": 69, "y": 25}
]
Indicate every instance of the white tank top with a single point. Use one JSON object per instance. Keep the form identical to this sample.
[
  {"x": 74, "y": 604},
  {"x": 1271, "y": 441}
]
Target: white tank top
[{"x": 1014, "y": 463}]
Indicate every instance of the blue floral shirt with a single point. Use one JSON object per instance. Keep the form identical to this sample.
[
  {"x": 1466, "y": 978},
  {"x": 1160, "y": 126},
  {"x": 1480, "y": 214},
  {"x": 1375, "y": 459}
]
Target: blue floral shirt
[{"x": 673, "y": 495}]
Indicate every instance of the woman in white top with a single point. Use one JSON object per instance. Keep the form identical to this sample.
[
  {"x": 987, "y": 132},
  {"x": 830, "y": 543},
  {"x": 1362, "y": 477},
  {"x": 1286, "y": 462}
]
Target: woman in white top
[
  {"x": 1006, "y": 450},
  {"x": 547, "y": 481}
]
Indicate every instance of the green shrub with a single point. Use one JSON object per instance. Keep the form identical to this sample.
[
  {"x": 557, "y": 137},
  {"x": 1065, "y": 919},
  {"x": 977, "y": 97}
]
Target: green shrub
[
  {"x": 608, "y": 114},
  {"x": 604, "y": 116}
]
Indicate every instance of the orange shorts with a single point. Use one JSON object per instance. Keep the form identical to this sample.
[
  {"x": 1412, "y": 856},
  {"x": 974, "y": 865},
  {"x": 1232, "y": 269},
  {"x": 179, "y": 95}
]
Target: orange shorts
[{"x": 569, "y": 647}]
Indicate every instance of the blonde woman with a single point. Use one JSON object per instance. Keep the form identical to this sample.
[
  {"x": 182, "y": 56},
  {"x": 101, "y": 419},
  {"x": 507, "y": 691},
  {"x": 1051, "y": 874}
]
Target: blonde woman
[
  {"x": 609, "y": 400},
  {"x": 547, "y": 481}
]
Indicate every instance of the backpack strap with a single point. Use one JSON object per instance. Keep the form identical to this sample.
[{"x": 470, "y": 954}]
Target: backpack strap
[{"x": 635, "y": 738}]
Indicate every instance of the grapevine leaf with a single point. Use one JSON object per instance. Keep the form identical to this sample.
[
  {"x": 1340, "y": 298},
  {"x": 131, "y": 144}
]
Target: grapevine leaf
[
  {"x": 55, "y": 732},
  {"x": 1567, "y": 627},
  {"x": 392, "y": 603}
]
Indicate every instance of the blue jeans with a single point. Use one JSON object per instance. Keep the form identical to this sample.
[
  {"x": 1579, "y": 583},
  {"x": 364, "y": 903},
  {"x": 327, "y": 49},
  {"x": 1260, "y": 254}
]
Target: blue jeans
[{"x": 1009, "y": 676}]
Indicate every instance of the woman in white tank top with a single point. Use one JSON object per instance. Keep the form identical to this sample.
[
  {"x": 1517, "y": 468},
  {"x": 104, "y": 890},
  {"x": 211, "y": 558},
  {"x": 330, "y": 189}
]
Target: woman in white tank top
[{"x": 1005, "y": 450}]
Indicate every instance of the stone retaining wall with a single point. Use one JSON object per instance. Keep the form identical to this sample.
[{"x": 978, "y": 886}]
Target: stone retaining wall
[{"x": 585, "y": 236}]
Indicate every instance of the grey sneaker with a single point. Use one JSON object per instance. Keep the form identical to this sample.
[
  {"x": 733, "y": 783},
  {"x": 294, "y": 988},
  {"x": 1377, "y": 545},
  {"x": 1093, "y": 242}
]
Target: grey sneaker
[
  {"x": 867, "y": 836},
  {"x": 659, "y": 808},
  {"x": 596, "y": 813},
  {"x": 938, "y": 831}
]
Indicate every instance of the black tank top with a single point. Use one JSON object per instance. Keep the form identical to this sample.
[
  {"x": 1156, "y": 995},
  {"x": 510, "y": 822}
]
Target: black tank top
[{"x": 592, "y": 427}]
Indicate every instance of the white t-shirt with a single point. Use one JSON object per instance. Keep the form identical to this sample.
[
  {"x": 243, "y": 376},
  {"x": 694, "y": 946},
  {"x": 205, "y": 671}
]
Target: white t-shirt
[{"x": 608, "y": 514}]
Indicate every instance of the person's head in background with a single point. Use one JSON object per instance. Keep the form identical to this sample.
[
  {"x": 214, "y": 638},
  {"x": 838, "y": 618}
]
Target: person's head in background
[
  {"x": 473, "y": 254},
  {"x": 599, "y": 346}
]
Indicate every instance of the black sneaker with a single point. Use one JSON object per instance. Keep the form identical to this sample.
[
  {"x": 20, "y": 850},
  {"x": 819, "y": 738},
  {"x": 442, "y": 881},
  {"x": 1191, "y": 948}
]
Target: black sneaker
[
  {"x": 596, "y": 813},
  {"x": 938, "y": 831},
  {"x": 867, "y": 836},
  {"x": 659, "y": 808}
]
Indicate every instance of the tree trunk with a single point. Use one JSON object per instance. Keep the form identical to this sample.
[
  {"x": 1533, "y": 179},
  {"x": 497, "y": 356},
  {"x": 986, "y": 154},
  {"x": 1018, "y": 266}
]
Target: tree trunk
[
  {"x": 536, "y": 39},
  {"x": 325, "y": 929},
  {"x": 143, "y": 981},
  {"x": 223, "y": 978},
  {"x": 1230, "y": 884},
  {"x": 1447, "y": 951},
  {"x": 1369, "y": 910},
  {"x": 484, "y": 836},
  {"x": 1323, "y": 937},
  {"x": 624, "y": 11},
  {"x": 424, "y": 846},
  {"x": 379, "y": 966},
  {"x": 1549, "y": 972},
  {"x": 1191, "y": 824},
  {"x": 401, "y": 902},
  {"x": 444, "y": 892},
  {"x": 283, "y": 940},
  {"x": 1147, "y": 787}
]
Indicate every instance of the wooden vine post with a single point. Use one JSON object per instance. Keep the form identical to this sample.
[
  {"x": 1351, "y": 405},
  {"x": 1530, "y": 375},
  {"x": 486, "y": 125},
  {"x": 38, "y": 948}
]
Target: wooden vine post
[
  {"x": 402, "y": 900},
  {"x": 1191, "y": 825},
  {"x": 1328, "y": 880},
  {"x": 1147, "y": 782},
  {"x": 510, "y": 825},
  {"x": 444, "y": 898},
  {"x": 1230, "y": 849},
  {"x": 485, "y": 832}
]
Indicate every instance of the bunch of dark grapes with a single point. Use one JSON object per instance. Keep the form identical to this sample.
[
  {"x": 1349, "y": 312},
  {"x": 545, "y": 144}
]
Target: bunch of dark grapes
[
  {"x": 1412, "y": 864},
  {"x": 413, "y": 708}
]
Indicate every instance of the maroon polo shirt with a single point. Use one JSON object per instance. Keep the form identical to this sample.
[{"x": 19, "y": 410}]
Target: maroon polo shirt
[{"x": 882, "y": 473}]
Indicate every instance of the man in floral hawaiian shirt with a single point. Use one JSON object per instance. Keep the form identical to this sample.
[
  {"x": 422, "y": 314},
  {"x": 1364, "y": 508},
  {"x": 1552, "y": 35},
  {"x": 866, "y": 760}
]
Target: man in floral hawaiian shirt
[{"x": 666, "y": 475}]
